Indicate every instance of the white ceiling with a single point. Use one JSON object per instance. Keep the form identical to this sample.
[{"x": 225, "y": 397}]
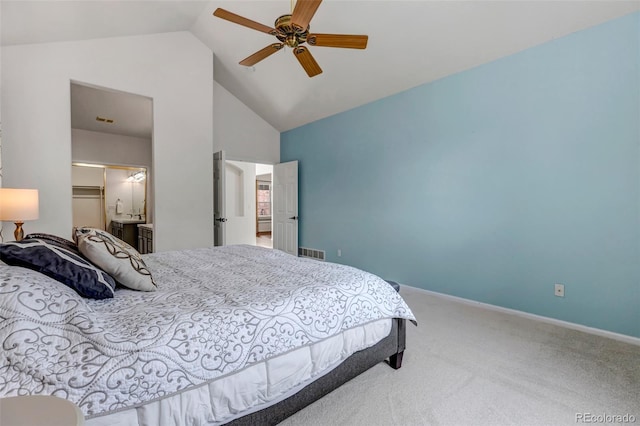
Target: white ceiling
[
  {"x": 410, "y": 42},
  {"x": 132, "y": 115}
]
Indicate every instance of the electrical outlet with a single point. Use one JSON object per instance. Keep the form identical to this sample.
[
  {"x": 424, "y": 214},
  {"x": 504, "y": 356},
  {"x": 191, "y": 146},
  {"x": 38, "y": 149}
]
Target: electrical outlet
[
  {"x": 559, "y": 290},
  {"x": 339, "y": 252}
]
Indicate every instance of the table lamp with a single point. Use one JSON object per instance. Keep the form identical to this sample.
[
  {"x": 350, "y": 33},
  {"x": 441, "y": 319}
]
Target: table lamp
[{"x": 18, "y": 205}]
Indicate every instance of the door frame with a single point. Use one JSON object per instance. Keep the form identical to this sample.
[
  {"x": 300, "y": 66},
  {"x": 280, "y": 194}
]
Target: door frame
[
  {"x": 219, "y": 194},
  {"x": 220, "y": 209}
]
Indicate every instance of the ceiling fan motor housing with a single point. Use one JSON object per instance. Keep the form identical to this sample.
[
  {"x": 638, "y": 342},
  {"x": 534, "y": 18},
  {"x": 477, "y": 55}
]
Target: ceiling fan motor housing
[{"x": 288, "y": 33}]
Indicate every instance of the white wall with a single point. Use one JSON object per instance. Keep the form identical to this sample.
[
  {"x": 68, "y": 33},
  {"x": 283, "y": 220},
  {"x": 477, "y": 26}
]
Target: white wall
[
  {"x": 175, "y": 69},
  {"x": 110, "y": 149},
  {"x": 264, "y": 169},
  {"x": 240, "y": 199},
  {"x": 119, "y": 189},
  {"x": 240, "y": 132},
  {"x": 1, "y": 223}
]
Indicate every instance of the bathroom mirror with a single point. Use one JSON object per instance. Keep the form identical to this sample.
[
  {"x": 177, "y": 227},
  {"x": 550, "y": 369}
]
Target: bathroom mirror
[
  {"x": 102, "y": 193},
  {"x": 125, "y": 193}
]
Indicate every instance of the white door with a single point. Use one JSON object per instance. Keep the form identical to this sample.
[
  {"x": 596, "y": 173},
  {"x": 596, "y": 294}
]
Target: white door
[
  {"x": 285, "y": 207},
  {"x": 219, "y": 210}
]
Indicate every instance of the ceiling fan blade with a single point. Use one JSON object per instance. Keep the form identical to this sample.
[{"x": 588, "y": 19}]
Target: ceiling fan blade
[
  {"x": 303, "y": 11},
  {"x": 261, "y": 54},
  {"x": 241, "y": 20},
  {"x": 306, "y": 60},
  {"x": 348, "y": 41}
]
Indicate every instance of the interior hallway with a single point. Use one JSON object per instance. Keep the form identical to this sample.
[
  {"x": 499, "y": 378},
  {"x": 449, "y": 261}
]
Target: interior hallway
[{"x": 264, "y": 240}]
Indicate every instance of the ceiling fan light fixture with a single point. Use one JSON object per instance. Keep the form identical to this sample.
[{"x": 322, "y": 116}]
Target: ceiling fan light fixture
[
  {"x": 292, "y": 41},
  {"x": 292, "y": 30}
]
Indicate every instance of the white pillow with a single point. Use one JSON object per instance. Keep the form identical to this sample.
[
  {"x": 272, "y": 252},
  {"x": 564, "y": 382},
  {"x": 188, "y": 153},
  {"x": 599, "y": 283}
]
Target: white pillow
[{"x": 116, "y": 258}]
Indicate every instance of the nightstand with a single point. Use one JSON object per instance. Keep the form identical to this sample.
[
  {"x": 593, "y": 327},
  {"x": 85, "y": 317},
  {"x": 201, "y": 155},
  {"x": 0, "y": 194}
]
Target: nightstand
[{"x": 39, "y": 410}]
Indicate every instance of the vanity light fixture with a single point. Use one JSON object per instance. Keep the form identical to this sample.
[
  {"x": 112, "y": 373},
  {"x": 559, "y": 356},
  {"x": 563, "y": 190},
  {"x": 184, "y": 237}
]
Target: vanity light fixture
[{"x": 137, "y": 177}]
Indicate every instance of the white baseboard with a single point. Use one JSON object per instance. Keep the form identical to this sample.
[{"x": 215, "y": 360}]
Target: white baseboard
[{"x": 591, "y": 330}]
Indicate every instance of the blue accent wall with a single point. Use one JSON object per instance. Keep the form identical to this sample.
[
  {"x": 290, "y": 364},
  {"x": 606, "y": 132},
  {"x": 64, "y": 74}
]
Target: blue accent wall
[{"x": 495, "y": 183}]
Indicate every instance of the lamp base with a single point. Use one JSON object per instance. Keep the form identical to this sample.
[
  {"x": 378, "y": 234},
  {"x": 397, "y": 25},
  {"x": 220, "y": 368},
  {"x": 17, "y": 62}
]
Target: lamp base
[{"x": 18, "y": 233}]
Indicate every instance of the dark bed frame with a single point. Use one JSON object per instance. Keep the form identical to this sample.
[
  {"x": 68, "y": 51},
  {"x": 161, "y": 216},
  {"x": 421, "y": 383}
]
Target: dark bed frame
[{"x": 391, "y": 348}]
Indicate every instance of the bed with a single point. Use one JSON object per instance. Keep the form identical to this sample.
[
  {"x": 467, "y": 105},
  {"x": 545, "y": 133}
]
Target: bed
[{"x": 230, "y": 335}]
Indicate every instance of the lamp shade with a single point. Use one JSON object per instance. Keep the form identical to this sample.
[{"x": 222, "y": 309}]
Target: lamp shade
[{"x": 17, "y": 205}]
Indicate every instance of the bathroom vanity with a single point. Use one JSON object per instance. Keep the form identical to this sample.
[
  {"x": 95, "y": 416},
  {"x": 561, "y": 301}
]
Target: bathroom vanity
[
  {"x": 145, "y": 238},
  {"x": 126, "y": 230}
]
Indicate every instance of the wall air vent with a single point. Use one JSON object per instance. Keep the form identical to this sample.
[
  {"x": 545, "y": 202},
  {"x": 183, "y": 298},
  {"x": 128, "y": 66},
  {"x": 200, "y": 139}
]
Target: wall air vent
[
  {"x": 311, "y": 253},
  {"x": 104, "y": 120}
]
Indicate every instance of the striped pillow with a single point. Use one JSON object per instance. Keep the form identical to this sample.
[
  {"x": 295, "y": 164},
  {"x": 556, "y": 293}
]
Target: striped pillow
[{"x": 116, "y": 257}]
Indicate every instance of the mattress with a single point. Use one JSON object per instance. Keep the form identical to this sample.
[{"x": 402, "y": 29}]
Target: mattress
[
  {"x": 251, "y": 389},
  {"x": 217, "y": 312}
]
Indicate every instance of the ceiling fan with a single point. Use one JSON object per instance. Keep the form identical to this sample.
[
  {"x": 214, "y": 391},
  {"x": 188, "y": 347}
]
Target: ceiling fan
[{"x": 293, "y": 31}]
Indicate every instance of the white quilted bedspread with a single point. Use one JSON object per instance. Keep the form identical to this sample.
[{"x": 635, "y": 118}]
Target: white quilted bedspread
[{"x": 216, "y": 311}]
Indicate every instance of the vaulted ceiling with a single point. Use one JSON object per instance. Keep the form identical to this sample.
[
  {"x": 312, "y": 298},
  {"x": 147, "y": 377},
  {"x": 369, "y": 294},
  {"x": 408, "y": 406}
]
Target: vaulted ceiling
[{"x": 410, "y": 42}]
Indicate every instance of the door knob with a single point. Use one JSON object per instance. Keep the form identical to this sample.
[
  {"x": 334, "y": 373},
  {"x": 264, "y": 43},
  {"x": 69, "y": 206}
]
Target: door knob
[
  {"x": 294, "y": 217},
  {"x": 222, "y": 219}
]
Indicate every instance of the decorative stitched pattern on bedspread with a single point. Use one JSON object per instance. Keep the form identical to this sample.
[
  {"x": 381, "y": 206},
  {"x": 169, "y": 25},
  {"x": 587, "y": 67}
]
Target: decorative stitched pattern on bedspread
[{"x": 216, "y": 310}]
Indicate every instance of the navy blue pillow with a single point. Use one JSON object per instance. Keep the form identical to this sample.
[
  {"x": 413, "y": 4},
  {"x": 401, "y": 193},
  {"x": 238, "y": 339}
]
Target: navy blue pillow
[
  {"x": 54, "y": 239},
  {"x": 62, "y": 262}
]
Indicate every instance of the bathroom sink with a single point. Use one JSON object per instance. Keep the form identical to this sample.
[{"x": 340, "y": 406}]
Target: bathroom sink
[{"x": 128, "y": 220}]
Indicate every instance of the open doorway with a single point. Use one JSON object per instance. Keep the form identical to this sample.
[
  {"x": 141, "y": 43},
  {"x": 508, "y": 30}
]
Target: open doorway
[
  {"x": 238, "y": 200},
  {"x": 111, "y": 150},
  {"x": 248, "y": 203},
  {"x": 264, "y": 200},
  {"x": 235, "y": 211}
]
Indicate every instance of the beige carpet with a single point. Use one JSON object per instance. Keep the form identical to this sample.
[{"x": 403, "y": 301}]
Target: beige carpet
[{"x": 465, "y": 365}]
